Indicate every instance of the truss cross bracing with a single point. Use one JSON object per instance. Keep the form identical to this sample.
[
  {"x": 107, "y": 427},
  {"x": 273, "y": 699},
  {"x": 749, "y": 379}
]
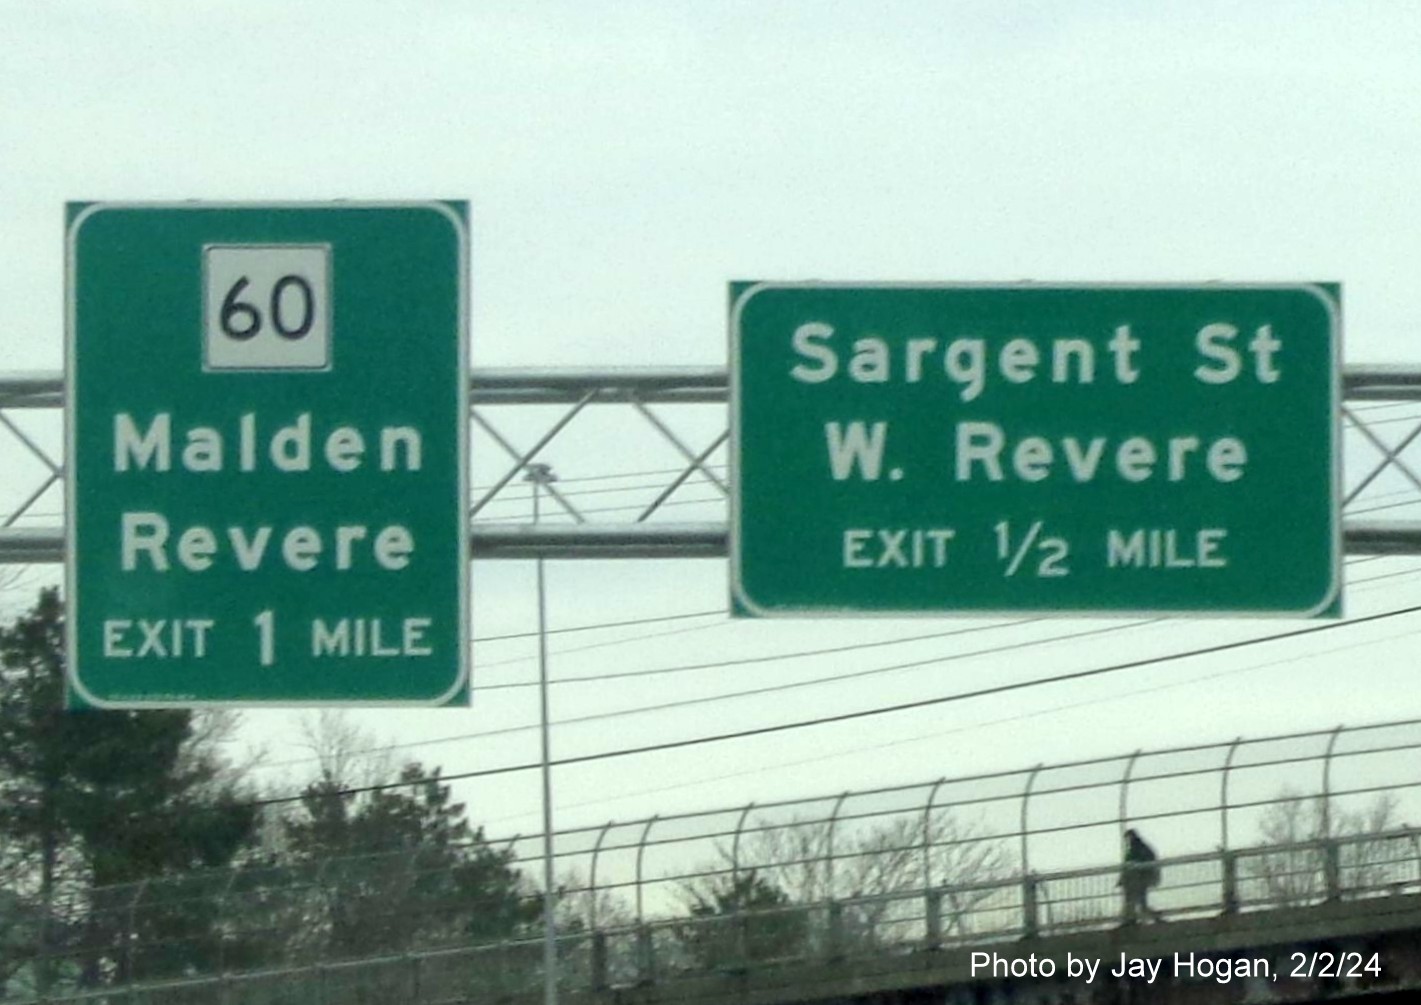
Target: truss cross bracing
[{"x": 639, "y": 460}]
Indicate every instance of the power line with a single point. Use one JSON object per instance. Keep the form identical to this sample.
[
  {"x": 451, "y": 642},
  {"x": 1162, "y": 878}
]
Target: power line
[
  {"x": 386, "y": 748},
  {"x": 610, "y": 642},
  {"x": 834, "y": 678},
  {"x": 798, "y": 654},
  {"x": 743, "y": 734},
  {"x": 1377, "y": 509},
  {"x": 602, "y": 624},
  {"x": 753, "y": 692},
  {"x": 577, "y": 479},
  {"x": 1037, "y": 713},
  {"x": 829, "y": 651},
  {"x": 1392, "y": 421},
  {"x": 793, "y": 685},
  {"x": 1380, "y": 407},
  {"x": 710, "y": 500}
]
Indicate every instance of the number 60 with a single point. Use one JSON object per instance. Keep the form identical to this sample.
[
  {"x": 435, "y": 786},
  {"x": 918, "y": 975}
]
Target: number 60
[{"x": 241, "y": 321}]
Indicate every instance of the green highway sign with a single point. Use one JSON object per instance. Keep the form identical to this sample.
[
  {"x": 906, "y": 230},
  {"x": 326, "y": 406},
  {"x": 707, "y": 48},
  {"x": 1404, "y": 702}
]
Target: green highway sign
[
  {"x": 266, "y": 454},
  {"x": 902, "y": 449}
]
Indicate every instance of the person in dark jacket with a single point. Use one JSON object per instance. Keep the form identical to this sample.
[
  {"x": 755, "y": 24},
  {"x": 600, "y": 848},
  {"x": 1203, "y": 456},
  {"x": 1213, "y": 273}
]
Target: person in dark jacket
[{"x": 1137, "y": 875}]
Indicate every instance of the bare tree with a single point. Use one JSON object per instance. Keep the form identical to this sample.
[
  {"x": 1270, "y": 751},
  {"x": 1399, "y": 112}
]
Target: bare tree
[
  {"x": 345, "y": 756},
  {"x": 16, "y": 589},
  {"x": 816, "y": 861},
  {"x": 1316, "y": 837},
  {"x": 345, "y": 751}
]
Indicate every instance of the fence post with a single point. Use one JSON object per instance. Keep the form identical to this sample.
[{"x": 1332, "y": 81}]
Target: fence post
[
  {"x": 640, "y": 852},
  {"x": 932, "y": 902},
  {"x": 928, "y": 834},
  {"x": 1224, "y": 795},
  {"x": 1230, "y": 891},
  {"x": 592, "y": 879},
  {"x": 1025, "y": 806},
  {"x": 829, "y": 891},
  {"x": 645, "y": 958},
  {"x": 599, "y": 961},
  {"x": 1125, "y": 790},
  {"x": 415, "y": 989},
  {"x": 1030, "y": 925},
  {"x": 834, "y": 949},
  {"x": 131, "y": 935}
]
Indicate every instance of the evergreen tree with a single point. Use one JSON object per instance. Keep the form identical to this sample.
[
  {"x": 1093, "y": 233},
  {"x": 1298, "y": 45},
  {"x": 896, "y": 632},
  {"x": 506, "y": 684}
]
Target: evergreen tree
[
  {"x": 742, "y": 919},
  {"x": 95, "y": 799},
  {"x": 400, "y": 868}
]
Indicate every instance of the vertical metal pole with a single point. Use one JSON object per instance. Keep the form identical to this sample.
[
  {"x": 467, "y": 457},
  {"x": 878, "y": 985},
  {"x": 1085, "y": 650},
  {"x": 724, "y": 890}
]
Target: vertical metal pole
[
  {"x": 1331, "y": 859},
  {"x": 738, "y": 901},
  {"x": 640, "y": 851},
  {"x": 646, "y": 962},
  {"x": 1228, "y": 860},
  {"x": 1327, "y": 783},
  {"x": 539, "y": 475},
  {"x": 1125, "y": 791},
  {"x": 224, "y": 910},
  {"x": 735, "y": 847},
  {"x": 1224, "y": 795},
  {"x": 1028, "y": 881},
  {"x": 1025, "y": 804},
  {"x": 927, "y": 835},
  {"x": 132, "y": 933},
  {"x": 592, "y": 882}
]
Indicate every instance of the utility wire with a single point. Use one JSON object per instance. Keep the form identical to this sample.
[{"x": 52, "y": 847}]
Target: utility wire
[
  {"x": 1378, "y": 509},
  {"x": 969, "y": 727},
  {"x": 622, "y": 474},
  {"x": 386, "y": 748},
  {"x": 775, "y": 688},
  {"x": 767, "y": 689},
  {"x": 860, "y": 713},
  {"x": 797, "y": 654},
  {"x": 835, "y": 678},
  {"x": 611, "y": 642},
  {"x": 1390, "y": 422},
  {"x": 566, "y": 520},
  {"x": 829, "y": 651},
  {"x": 601, "y": 624}
]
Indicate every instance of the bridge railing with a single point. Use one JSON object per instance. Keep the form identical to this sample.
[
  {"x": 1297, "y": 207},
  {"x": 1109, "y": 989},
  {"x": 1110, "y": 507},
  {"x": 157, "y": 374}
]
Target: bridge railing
[
  {"x": 737, "y": 942},
  {"x": 937, "y": 863},
  {"x": 1294, "y": 874}
]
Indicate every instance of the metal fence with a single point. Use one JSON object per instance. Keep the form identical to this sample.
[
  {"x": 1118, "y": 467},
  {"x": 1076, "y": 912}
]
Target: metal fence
[
  {"x": 887, "y": 924},
  {"x": 1245, "y": 825}
]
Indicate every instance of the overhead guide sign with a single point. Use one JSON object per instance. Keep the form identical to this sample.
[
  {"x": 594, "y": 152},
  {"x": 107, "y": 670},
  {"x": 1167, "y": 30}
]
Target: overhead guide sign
[
  {"x": 1092, "y": 449},
  {"x": 267, "y": 410}
]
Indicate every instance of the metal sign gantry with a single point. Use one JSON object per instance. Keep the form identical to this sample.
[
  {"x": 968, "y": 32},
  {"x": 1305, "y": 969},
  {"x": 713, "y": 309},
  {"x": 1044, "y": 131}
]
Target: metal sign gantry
[{"x": 682, "y": 412}]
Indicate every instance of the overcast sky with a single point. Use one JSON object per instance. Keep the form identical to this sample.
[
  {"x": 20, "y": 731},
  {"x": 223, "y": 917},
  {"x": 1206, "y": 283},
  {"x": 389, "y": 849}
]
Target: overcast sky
[{"x": 625, "y": 160}]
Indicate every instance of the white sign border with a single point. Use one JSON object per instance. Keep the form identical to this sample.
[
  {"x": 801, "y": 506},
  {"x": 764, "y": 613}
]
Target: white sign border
[
  {"x": 747, "y": 606},
  {"x": 463, "y": 640}
]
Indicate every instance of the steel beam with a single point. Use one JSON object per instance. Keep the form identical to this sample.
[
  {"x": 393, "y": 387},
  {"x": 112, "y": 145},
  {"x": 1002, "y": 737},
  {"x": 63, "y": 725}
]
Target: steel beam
[
  {"x": 672, "y": 385},
  {"x": 527, "y": 385},
  {"x": 45, "y": 545},
  {"x": 686, "y": 384}
]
